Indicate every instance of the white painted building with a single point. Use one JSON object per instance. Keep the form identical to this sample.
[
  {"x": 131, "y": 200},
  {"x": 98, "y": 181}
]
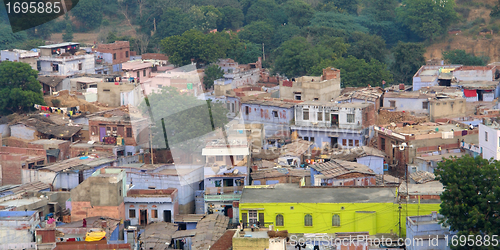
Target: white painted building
[
  {"x": 489, "y": 139},
  {"x": 65, "y": 59}
]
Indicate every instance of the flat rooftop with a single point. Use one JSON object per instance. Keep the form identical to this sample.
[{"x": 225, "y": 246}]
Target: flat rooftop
[
  {"x": 334, "y": 104},
  {"x": 46, "y": 141},
  {"x": 20, "y": 202},
  {"x": 58, "y": 45},
  {"x": 292, "y": 193},
  {"x": 426, "y": 128}
]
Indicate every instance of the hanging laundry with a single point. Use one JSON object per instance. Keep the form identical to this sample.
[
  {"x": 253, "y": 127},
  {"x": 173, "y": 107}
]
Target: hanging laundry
[{"x": 70, "y": 113}]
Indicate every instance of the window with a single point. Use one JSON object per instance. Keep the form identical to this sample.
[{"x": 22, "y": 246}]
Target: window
[
  {"x": 316, "y": 99},
  {"x": 227, "y": 105},
  {"x": 144, "y": 73},
  {"x": 485, "y": 136},
  {"x": 138, "y": 74},
  {"x": 308, "y": 220},
  {"x": 344, "y": 142},
  {"x": 107, "y": 90},
  {"x": 351, "y": 143},
  {"x": 392, "y": 104},
  {"x": 217, "y": 183},
  {"x": 425, "y": 105},
  {"x": 154, "y": 213},
  {"x": 305, "y": 114},
  {"x": 356, "y": 142},
  {"x": 298, "y": 97},
  {"x": 275, "y": 113},
  {"x": 80, "y": 66},
  {"x": 279, "y": 220},
  {"x": 247, "y": 110},
  {"x": 131, "y": 213},
  {"x": 320, "y": 116},
  {"x": 311, "y": 139},
  {"x": 94, "y": 130},
  {"x": 336, "y": 220},
  {"x": 306, "y": 138},
  {"x": 327, "y": 117},
  {"x": 252, "y": 216},
  {"x": 129, "y": 132},
  {"x": 350, "y": 118},
  {"x": 219, "y": 158},
  {"x": 126, "y": 54},
  {"x": 114, "y": 56},
  {"x": 232, "y": 107}
]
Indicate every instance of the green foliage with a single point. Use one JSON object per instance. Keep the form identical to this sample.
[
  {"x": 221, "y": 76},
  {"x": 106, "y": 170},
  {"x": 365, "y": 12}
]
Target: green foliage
[
  {"x": 9, "y": 40},
  {"x": 349, "y": 6},
  {"x": 31, "y": 44},
  {"x": 408, "y": 58},
  {"x": 56, "y": 102},
  {"x": 185, "y": 118},
  {"x": 247, "y": 53},
  {"x": 257, "y": 32},
  {"x": 232, "y": 18},
  {"x": 470, "y": 198},
  {"x": 299, "y": 13},
  {"x": 357, "y": 72},
  {"x": 381, "y": 10},
  {"x": 338, "y": 21},
  {"x": 88, "y": 13},
  {"x": 265, "y": 10},
  {"x": 364, "y": 46},
  {"x": 68, "y": 35},
  {"x": 495, "y": 12},
  {"x": 173, "y": 22},
  {"x": 212, "y": 73},
  {"x": 205, "y": 18},
  {"x": 202, "y": 48},
  {"x": 283, "y": 33},
  {"x": 461, "y": 57},
  {"x": 19, "y": 88},
  {"x": 427, "y": 18}
]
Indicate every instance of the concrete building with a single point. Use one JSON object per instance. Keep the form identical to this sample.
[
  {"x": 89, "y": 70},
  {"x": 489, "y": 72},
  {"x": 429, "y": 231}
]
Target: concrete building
[
  {"x": 474, "y": 91},
  {"x": 312, "y": 88},
  {"x": 17, "y": 229},
  {"x": 100, "y": 195},
  {"x": 373, "y": 95},
  {"x": 475, "y": 73},
  {"x": 428, "y": 232},
  {"x": 110, "y": 92},
  {"x": 342, "y": 173},
  {"x": 82, "y": 84},
  {"x": 414, "y": 102},
  {"x": 489, "y": 139},
  {"x": 185, "y": 79},
  {"x": 276, "y": 115},
  {"x": 14, "y": 160},
  {"x": 65, "y": 59},
  {"x": 368, "y": 156},
  {"x": 56, "y": 150},
  {"x": 187, "y": 179},
  {"x": 38, "y": 127},
  {"x": 19, "y": 55},
  {"x": 132, "y": 97},
  {"x": 342, "y": 125},
  {"x": 119, "y": 123},
  {"x": 145, "y": 206},
  {"x": 447, "y": 108},
  {"x": 139, "y": 70},
  {"x": 433, "y": 75},
  {"x": 113, "y": 54},
  {"x": 236, "y": 75},
  {"x": 52, "y": 84}
]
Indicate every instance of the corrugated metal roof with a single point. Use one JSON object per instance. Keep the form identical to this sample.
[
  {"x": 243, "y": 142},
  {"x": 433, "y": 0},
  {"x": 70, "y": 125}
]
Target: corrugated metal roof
[
  {"x": 158, "y": 235},
  {"x": 336, "y": 168},
  {"x": 210, "y": 229}
]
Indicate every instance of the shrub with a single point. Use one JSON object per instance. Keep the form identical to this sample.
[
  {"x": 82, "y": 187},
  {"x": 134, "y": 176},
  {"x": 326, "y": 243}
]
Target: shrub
[{"x": 56, "y": 102}]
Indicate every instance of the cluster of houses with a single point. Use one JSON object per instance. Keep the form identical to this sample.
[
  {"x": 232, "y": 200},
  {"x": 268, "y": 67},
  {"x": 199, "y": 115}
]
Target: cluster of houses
[{"x": 301, "y": 158}]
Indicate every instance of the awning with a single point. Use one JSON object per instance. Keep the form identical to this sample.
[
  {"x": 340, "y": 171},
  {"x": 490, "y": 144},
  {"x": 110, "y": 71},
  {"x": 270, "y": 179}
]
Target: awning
[
  {"x": 53, "y": 152},
  {"x": 470, "y": 93},
  {"x": 225, "y": 151}
]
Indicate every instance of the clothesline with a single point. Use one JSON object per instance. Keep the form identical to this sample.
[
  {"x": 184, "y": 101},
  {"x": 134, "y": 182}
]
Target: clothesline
[{"x": 70, "y": 111}]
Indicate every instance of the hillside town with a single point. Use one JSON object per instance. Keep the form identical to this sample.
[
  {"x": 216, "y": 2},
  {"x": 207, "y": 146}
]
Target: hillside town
[{"x": 108, "y": 162}]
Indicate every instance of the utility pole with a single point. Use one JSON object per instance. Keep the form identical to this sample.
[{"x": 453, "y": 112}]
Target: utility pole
[
  {"x": 151, "y": 142},
  {"x": 263, "y": 54}
]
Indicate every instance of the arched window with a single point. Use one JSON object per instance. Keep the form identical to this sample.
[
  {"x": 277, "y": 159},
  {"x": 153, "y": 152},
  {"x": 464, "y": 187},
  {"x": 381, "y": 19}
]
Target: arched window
[
  {"x": 336, "y": 220},
  {"x": 308, "y": 220},
  {"x": 279, "y": 220}
]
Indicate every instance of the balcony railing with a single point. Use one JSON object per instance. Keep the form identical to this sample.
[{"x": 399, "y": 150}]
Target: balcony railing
[
  {"x": 223, "y": 193},
  {"x": 222, "y": 197}
]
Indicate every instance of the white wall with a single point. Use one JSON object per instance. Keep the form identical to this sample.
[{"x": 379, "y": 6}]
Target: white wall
[{"x": 489, "y": 147}]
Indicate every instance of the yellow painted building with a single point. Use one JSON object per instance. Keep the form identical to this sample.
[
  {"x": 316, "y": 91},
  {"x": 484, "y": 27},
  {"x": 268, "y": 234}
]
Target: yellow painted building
[{"x": 329, "y": 209}]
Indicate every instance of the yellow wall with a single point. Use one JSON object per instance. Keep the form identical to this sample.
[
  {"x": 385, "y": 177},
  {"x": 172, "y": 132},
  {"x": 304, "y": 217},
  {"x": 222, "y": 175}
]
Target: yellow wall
[{"x": 354, "y": 217}]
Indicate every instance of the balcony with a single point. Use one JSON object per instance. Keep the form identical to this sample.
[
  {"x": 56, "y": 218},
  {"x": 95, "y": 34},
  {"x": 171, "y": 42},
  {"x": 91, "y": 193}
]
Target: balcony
[{"x": 223, "y": 193}]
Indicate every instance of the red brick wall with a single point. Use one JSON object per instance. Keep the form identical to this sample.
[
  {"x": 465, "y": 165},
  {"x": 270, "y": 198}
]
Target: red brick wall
[
  {"x": 11, "y": 169},
  {"x": 118, "y": 47},
  {"x": 369, "y": 116},
  {"x": 330, "y": 73},
  {"x": 74, "y": 245},
  {"x": 83, "y": 209}
]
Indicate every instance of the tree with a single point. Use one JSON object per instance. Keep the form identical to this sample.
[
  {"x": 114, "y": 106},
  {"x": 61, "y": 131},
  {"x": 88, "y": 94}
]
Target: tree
[
  {"x": 359, "y": 73},
  {"x": 364, "y": 46},
  {"x": 265, "y": 10},
  {"x": 19, "y": 88},
  {"x": 232, "y": 18},
  {"x": 258, "y": 32},
  {"x": 470, "y": 202},
  {"x": 282, "y": 34},
  {"x": 350, "y": 6},
  {"x": 338, "y": 21},
  {"x": 247, "y": 53},
  {"x": 173, "y": 22},
  {"x": 299, "y": 13},
  {"x": 408, "y": 58},
  {"x": 185, "y": 118},
  {"x": 427, "y": 18},
  {"x": 212, "y": 73},
  {"x": 205, "y": 18},
  {"x": 88, "y": 13},
  {"x": 381, "y": 10},
  {"x": 292, "y": 58},
  {"x": 461, "y": 57},
  {"x": 202, "y": 48},
  {"x": 68, "y": 35}
]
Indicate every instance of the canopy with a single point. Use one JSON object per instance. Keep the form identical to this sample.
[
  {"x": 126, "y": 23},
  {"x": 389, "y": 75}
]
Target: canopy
[{"x": 470, "y": 93}]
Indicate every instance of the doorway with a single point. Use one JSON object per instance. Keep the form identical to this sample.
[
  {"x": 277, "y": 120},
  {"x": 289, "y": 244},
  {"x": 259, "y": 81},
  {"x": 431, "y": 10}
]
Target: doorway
[
  {"x": 335, "y": 119},
  {"x": 144, "y": 217},
  {"x": 228, "y": 211},
  {"x": 333, "y": 142},
  {"x": 228, "y": 182},
  {"x": 167, "y": 216}
]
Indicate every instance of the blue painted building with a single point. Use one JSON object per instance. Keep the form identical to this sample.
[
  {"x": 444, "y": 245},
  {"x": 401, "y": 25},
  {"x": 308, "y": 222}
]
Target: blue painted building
[
  {"x": 431, "y": 234},
  {"x": 276, "y": 115},
  {"x": 337, "y": 125}
]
